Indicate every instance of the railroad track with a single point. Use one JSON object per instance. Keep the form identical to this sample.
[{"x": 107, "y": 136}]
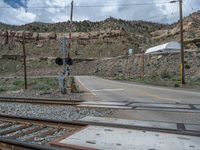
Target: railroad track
[
  {"x": 40, "y": 101},
  {"x": 33, "y": 133},
  {"x": 178, "y": 107}
]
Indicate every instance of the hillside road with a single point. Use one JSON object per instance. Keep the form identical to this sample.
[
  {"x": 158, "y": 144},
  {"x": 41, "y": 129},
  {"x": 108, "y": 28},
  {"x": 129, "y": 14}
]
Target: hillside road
[{"x": 109, "y": 90}]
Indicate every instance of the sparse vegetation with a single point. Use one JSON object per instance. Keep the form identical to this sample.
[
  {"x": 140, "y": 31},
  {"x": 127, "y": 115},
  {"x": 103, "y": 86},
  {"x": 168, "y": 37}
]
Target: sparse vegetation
[
  {"x": 165, "y": 75},
  {"x": 41, "y": 85},
  {"x": 133, "y": 34},
  {"x": 187, "y": 66},
  {"x": 176, "y": 85}
]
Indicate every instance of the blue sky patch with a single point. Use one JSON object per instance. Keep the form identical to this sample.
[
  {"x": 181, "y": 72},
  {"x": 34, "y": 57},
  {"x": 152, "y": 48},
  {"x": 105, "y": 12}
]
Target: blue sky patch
[{"x": 15, "y": 3}]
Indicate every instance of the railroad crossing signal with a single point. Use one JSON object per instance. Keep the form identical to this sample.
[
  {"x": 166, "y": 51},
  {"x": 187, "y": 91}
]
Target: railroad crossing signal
[
  {"x": 64, "y": 45},
  {"x": 59, "y": 61},
  {"x": 64, "y": 61},
  {"x": 64, "y": 50}
]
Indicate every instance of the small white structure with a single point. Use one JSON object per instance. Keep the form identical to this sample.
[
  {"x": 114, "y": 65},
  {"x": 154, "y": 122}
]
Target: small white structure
[
  {"x": 130, "y": 52},
  {"x": 171, "y": 47}
]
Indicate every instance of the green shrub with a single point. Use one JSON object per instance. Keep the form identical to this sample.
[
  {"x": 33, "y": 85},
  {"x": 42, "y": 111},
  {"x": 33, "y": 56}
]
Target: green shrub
[
  {"x": 187, "y": 66},
  {"x": 19, "y": 83},
  {"x": 176, "y": 85},
  {"x": 165, "y": 75},
  {"x": 2, "y": 89}
]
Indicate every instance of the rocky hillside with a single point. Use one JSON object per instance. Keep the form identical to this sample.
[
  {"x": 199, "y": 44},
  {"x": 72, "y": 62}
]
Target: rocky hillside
[
  {"x": 191, "y": 27},
  {"x": 108, "y": 38},
  {"x": 111, "y": 37}
]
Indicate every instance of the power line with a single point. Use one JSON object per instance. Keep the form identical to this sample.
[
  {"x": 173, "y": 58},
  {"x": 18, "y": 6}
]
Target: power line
[
  {"x": 96, "y": 5},
  {"x": 156, "y": 17},
  {"x": 193, "y": 19},
  {"x": 190, "y": 4},
  {"x": 162, "y": 16},
  {"x": 172, "y": 11},
  {"x": 123, "y": 5}
]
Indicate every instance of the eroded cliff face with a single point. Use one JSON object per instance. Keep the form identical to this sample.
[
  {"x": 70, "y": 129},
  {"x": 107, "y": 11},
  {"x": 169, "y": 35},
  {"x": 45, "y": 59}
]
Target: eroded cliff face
[
  {"x": 84, "y": 44},
  {"x": 8, "y": 36}
]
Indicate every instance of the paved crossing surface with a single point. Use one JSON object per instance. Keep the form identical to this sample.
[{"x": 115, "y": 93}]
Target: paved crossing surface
[
  {"x": 143, "y": 102},
  {"x": 118, "y": 134}
]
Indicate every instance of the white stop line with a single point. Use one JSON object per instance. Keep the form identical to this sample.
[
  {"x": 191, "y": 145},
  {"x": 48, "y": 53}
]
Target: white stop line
[{"x": 107, "y": 90}]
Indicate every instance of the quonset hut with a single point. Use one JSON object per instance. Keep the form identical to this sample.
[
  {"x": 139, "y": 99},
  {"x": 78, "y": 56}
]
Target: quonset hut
[{"x": 171, "y": 47}]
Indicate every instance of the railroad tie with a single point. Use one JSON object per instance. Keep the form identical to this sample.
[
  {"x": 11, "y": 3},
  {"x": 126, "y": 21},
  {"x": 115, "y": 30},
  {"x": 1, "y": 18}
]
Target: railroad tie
[
  {"x": 6, "y": 126},
  {"x": 13, "y": 130},
  {"x": 42, "y": 135},
  {"x": 23, "y": 133}
]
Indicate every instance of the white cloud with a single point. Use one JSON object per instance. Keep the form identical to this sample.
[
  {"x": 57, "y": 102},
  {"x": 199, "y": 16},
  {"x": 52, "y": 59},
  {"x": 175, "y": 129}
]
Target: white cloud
[
  {"x": 22, "y": 16},
  {"x": 15, "y": 16},
  {"x": 155, "y": 12}
]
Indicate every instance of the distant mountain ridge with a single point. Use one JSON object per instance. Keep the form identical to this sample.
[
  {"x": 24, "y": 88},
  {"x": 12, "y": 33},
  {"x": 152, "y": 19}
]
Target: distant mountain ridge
[{"x": 84, "y": 26}]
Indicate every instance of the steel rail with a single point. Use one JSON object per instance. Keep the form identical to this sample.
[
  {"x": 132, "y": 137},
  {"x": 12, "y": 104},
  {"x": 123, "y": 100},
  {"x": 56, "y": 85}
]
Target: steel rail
[
  {"x": 81, "y": 124},
  {"x": 19, "y": 145},
  {"x": 85, "y": 123},
  {"x": 11, "y": 118},
  {"x": 40, "y": 100}
]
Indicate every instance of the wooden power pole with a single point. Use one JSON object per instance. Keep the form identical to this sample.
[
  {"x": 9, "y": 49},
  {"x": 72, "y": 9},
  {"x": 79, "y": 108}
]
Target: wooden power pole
[
  {"x": 24, "y": 56},
  {"x": 182, "y": 43}
]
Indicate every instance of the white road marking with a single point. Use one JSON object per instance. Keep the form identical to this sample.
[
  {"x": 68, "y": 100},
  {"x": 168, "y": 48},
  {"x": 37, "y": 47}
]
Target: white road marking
[
  {"x": 86, "y": 87},
  {"x": 107, "y": 90},
  {"x": 105, "y": 106}
]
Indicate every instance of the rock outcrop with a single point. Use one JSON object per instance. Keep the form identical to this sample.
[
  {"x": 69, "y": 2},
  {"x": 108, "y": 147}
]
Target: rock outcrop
[{"x": 7, "y": 36}]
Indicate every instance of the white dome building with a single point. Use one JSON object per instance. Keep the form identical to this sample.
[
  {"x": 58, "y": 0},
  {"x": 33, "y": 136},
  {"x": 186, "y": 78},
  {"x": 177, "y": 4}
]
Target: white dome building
[{"x": 171, "y": 47}]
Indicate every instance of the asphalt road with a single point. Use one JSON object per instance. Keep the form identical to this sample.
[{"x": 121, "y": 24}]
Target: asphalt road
[{"x": 109, "y": 90}]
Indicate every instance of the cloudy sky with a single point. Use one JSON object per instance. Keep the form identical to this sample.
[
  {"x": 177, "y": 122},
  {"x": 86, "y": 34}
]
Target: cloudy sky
[{"x": 13, "y": 11}]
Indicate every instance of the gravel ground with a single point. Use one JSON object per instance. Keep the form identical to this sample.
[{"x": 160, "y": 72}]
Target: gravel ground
[
  {"x": 52, "y": 111},
  {"x": 66, "y": 113},
  {"x": 56, "y": 112}
]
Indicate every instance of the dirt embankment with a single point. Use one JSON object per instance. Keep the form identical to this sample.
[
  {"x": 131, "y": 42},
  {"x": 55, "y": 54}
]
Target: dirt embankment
[
  {"x": 133, "y": 66},
  {"x": 158, "y": 67}
]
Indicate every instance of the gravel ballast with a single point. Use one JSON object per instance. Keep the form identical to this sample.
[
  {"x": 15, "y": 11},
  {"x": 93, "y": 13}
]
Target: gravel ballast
[{"x": 55, "y": 112}]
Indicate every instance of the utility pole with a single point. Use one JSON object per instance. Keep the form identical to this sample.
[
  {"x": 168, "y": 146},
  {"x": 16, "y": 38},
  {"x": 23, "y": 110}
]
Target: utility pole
[
  {"x": 182, "y": 65},
  {"x": 70, "y": 27},
  {"x": 182, "y": 44},
  {"x": 24, "y": 56},
  {"x": 26, "y": 7},
  {"x": 7, "y": 39},
  {"x": 143, "y": 65}
]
